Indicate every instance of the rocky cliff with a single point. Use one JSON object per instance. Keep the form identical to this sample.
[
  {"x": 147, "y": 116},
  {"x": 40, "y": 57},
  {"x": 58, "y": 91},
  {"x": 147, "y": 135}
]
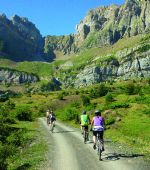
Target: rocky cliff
[
  {"x": 8, "y": 76},
  {"x": 126, "y": 64},
  {"x": 20, "y": 39},
  {"x": 105, "y": 26}
]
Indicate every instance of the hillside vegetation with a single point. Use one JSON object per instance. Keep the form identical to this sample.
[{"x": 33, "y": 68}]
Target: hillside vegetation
[{"x": 124, "y": 105}]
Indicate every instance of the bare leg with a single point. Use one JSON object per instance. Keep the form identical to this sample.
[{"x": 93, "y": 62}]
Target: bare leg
[{"x": 94, "y": 139}]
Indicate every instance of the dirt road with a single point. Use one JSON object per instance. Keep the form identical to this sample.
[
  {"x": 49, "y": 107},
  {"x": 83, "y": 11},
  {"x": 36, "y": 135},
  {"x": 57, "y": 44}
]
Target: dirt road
[{"x": 68, "y": 152}]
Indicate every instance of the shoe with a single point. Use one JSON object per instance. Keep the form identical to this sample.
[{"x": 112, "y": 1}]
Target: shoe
[{"x": 94, "y": 146}]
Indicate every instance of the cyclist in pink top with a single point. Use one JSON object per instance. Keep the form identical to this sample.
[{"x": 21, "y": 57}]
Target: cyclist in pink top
[{"x": 98, "y": 127}]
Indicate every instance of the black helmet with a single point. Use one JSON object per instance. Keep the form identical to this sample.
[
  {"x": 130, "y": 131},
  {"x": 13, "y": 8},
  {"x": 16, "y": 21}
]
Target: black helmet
[
  {"x": 97, "y": 112},
  {"x": 84, "y": 112}
]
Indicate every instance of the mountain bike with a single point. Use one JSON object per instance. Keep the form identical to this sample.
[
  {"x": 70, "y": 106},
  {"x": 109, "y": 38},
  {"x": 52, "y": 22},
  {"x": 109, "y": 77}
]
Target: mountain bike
[
  {"x": 85, "y": 134},
  {"x": 99, "y": 146},
  {"x": 52, "y": 125}
]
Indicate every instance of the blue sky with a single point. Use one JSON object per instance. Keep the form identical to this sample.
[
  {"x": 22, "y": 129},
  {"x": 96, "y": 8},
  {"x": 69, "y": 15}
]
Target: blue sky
[{"x": 53, "y": 17}]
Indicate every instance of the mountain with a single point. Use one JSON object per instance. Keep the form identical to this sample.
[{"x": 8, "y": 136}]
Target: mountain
[
  {"x": 111, "y": 43},
  {"x": 105, "y": 26},
  {"x": 19, "y": 39}
]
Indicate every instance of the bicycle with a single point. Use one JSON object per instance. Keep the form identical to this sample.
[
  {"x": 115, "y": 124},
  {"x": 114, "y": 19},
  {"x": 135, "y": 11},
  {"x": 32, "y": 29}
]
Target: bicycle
[
  {"x": 99, "y": 146},
  {"x": 85, "y": 135},
  {"x": 52, "y": 126}
]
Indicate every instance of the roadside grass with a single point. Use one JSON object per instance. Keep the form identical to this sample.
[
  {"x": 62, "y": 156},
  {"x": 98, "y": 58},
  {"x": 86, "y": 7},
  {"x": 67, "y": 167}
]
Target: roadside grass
[
  {"x": 133, "y": 130},
  {"x": 32, "y": 154}
]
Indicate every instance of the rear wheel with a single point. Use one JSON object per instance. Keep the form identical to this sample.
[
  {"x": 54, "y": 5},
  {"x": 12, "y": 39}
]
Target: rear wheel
[
  {"x": 100, "y": 153},
  {"x": 84, "y": 136},
  {"x": 52, "y": 127}
]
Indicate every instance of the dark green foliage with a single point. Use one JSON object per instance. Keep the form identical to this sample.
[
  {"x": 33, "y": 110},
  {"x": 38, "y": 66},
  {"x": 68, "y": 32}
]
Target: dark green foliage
[
  {"x": 70, "y": 113},
  {"x": 118, "y": 105},
  {"x": 85, "y": 100},
  {"x": 110, "y": 120},
  {"x": 24, "y": 113},
  {"x": 17, "y": 138},
  {"x": 5, "y": 152},
  {"x": 147, "y": 111},
  {"x": 75, "y": 104},
  {"x": 144, "y": 48},
  {"x": 50, "y": 86},
  {"x": 129, "y": 88},
  {"x": 142, "y": 99},
  {"x": 99, "y": 91},
  {"x": 61, "y": 96},
  {"x": 109, "y": 97},
  {"x": 5, "y": 116}
]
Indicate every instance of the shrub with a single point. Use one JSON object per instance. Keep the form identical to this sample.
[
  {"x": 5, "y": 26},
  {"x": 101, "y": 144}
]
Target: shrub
[
  {"x": 69, "y": 113},
  {"x": 109, "y": 97},
  {"x": 61, "y": 96},
  {"x": 118, "y": 105},
  {"x": 130, "y": 88},
  {"x": 50, "y": 86},
  {"x": 5, "y": 152},
  {"x": 110, "y": 120},
  {"x": 85, "y": 100},
  {"x": 102, "y": 90},
  {"x": 23, "y": 113}
]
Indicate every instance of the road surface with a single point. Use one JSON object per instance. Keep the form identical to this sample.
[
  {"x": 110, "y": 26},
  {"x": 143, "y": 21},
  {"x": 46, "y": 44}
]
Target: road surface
[{"x": 68, "y": 152}]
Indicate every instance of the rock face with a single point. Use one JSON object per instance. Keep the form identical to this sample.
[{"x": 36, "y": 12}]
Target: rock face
[
  {"x": 127, "y": 64},
  {"x": 21, "y": 39},
  {"x": 8, "y": 76},
  {"x": 106, "y": 25},
  {"x": 101, "y": 26}
]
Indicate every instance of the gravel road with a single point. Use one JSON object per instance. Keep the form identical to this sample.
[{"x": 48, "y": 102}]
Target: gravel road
[{"x": 68, "y": 152}]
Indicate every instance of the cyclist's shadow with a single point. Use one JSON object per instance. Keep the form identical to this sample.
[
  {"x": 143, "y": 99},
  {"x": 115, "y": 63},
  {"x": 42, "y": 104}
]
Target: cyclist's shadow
[{"x": 117, "y": 156}]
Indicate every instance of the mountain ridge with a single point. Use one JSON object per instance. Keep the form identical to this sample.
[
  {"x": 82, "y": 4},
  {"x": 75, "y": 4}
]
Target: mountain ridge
[{"x": 102, "y": 26}]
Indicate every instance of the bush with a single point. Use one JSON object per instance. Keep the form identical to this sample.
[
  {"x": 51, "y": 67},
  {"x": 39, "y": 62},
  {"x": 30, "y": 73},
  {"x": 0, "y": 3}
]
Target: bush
[
  {"x": 61, "y": 96},
  {"x": 85, "y": 100},
  {"x": 110, "y": 120},
  {"x": 5, "y": 152},
  {"x": 23, "y": 113},
  {"x": 129, "y": 88},
  {"x": 99, "y": 91},
  {"x": 118, "y": 105},
  {"x": 69, "y": 113},
  {"x": 109, "y": 97}
]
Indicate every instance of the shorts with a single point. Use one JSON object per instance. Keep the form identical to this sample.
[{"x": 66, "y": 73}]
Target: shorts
[
  {"x": 98, "y": 132},
  {"x": 52, "y": 119},
  {"x": 85, "y": 126}
]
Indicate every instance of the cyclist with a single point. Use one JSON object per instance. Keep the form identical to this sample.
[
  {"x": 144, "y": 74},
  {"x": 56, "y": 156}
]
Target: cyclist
[
  {"x": 84, "y": 121},
  {"x": 52, "y": 119},
  {"x": 47, "y": 117},
  {"x": 98, "y": 127}
]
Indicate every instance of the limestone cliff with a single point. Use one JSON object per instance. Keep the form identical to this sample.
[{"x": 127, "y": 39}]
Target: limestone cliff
[
  {"x": 21, "y": 39},
  {"x": 9, "y": 76},
  {"x": 105, "y": 26}
]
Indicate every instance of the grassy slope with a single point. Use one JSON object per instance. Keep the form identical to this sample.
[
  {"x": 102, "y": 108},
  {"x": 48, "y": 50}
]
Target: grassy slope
[{"x": 78, "y": 60}]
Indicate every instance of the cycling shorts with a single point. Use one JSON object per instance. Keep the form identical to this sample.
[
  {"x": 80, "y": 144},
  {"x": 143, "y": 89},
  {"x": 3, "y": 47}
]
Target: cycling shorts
[
  {"x": 98, "y": 132},
  {"x": 85, "y": 126}
]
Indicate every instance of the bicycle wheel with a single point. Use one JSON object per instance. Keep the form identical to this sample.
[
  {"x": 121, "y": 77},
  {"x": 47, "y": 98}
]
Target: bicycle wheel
[
  {"x": 100, "y": 151},
  {"x": 84, "y": 136},
  {"x": 52, "y": 128}
]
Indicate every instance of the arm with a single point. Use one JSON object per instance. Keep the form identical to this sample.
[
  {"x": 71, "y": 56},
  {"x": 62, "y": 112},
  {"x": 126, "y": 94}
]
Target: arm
[{"x": 92, "y": 122}]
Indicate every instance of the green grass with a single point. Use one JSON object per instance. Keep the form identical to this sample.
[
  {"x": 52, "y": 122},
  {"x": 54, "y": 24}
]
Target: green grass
[{"x": 32, "y": 154}]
